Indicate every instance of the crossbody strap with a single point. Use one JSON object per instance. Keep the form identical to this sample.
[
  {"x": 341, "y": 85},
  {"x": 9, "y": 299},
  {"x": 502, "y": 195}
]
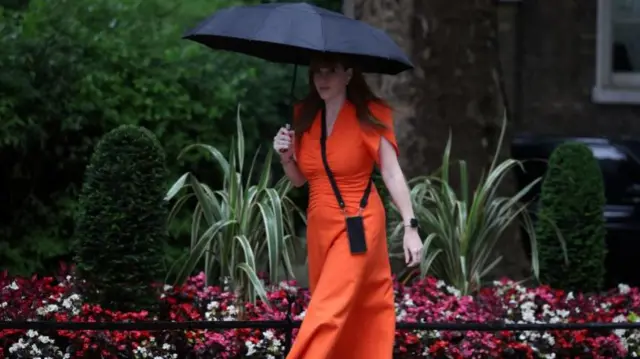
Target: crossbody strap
[{"x": 334, "y": 185}]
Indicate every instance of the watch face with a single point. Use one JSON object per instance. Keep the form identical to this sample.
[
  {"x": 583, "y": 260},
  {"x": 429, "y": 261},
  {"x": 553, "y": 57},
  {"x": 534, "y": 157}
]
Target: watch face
[{"x": 414, "y": 223}]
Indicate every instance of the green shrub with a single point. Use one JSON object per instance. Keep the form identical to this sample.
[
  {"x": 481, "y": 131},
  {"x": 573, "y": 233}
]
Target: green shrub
[
  {"x": 572, "y": 202},
  {"x": 121, "y": 234}
]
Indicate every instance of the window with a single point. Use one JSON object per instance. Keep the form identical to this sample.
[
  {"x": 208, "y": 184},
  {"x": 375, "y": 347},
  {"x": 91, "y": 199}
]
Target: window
[{"x": 618, "y": 52}]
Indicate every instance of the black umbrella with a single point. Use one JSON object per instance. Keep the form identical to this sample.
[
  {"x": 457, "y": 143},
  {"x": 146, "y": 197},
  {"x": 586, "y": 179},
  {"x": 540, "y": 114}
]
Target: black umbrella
[{"x": 292, "y": 32}]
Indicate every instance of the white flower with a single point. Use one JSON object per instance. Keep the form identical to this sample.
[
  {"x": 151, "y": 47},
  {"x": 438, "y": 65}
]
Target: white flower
[
  {"x": 550, "y": 340},
  {"x": 45, "y": 339},
  {"x": 408, "y": 301},
  {"x": 563, "y": 313},
  {"x": 250, "y": 348},
  {"x": 12, "y": 286},
  {"x": 453, "y": 291},
  {"x": 14, "y": 348},
  {"x": 49, "y": 308},
  {"x": 619, "y": 319},
  {"x": 401, "y": 314},
  {"x": 288, "y": 288},
  {"x": 623, "y": 288},
  {"x": 527, "y": 310},
  {"x": 35, "y": 350}
]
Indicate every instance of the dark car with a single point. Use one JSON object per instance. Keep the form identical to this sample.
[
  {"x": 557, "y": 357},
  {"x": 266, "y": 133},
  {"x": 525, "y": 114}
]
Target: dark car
[{"x": 620, "y": 164}]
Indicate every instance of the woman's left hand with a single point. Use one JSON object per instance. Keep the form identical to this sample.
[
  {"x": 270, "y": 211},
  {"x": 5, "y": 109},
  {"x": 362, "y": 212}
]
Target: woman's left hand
[{"x": 412, "y": 247}]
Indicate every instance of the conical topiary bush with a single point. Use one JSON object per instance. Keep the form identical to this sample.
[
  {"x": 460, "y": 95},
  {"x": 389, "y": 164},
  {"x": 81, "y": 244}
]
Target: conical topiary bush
[
  {"x": 572, "y": 203},
  {"x": 121, "y": 222}
]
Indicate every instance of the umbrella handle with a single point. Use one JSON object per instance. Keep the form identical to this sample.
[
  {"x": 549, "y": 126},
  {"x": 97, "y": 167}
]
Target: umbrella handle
[{"x": 288, "y": 127}]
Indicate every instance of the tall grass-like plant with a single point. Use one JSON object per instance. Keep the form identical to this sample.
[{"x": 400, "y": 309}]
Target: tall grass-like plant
[
  {"x": 464, "y": 228},
  {"x": 241, "y": 228}
]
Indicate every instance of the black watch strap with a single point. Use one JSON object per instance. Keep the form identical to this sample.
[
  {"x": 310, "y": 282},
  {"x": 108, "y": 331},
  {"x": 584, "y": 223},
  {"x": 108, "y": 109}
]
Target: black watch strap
[{"x": 413, "y": 223}]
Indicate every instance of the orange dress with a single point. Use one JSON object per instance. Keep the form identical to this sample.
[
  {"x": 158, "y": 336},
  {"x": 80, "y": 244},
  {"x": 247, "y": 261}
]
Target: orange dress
[{"x": 351, "y": 314}]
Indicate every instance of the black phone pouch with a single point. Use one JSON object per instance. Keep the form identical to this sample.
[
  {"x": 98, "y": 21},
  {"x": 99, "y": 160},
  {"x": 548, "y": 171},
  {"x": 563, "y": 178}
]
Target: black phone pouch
[{"x": 356, "y": 234}]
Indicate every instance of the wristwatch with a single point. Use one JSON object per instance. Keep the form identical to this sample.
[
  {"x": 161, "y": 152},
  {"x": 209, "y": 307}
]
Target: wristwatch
[{"x": 413, "y": 223}]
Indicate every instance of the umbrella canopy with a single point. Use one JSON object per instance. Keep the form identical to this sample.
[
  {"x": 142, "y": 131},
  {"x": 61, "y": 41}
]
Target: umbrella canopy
[{"x": 292, "y": 32}]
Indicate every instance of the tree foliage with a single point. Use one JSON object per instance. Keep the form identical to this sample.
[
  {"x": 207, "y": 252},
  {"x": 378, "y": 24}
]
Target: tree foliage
[{"x": 73, "y": 70}]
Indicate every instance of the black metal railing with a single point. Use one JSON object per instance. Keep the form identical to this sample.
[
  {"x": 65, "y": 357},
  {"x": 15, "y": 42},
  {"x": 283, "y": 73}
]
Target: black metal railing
[{"x": 288, "y": 326}]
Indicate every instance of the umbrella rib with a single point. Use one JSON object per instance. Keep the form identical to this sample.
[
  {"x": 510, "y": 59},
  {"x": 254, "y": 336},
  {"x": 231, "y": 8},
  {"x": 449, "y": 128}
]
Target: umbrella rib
[
  {"x": 324, "y": 38},
  {"x": 258, "y": 29}
]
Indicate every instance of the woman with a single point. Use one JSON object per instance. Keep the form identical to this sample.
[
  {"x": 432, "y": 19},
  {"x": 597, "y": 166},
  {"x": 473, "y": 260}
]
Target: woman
[{"x": 351, "y": 314}]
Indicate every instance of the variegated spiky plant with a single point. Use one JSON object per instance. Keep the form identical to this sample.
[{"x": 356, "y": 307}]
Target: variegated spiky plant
[
  {"x": 240, "y": 228},
  {"x": 463, "y": 229}
]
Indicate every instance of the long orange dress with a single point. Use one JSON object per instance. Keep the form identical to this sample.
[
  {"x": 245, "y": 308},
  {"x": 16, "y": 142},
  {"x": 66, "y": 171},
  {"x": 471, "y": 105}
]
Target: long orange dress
[{"x": 351, "y": 314}]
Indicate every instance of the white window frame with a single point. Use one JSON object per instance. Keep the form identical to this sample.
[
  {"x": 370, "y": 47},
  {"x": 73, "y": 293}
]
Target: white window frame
[{"x": 610, "y": 87}]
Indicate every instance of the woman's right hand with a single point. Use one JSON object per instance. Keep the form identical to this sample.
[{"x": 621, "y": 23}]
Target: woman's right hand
[{"x": 283, "y": 143}]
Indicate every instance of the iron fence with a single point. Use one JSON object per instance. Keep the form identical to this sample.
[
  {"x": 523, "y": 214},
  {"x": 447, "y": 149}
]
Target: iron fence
[{"x": 289, "y": 325}]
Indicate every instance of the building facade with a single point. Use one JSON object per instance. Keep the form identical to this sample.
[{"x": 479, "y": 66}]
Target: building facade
[{"x": 572, "y": 67}]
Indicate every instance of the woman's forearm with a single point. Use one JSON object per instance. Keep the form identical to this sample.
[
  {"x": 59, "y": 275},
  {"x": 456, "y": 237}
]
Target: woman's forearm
[
  {"x": 292, "y": 172},
  {"x": 394, "y": 181},
  {"x": 399, "y": 190}
]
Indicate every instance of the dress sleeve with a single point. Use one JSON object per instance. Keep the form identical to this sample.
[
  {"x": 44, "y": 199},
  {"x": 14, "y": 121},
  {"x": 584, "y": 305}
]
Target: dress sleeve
[{"x": 373, "y": 136}]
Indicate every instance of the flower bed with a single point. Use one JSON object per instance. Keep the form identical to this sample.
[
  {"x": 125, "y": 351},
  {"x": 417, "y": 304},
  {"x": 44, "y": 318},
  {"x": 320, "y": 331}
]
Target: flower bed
[{"x": 428, "y": 300}]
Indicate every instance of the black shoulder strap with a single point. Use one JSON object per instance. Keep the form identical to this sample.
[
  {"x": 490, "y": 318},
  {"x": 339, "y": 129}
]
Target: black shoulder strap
[{"x": 334, "y": 185}]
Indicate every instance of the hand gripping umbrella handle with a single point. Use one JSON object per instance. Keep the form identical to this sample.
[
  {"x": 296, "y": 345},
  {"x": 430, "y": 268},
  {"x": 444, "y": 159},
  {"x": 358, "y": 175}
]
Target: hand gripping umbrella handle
[{"x": 288, "y": 127}]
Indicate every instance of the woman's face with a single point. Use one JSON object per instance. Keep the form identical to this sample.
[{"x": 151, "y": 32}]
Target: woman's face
[{"x": 330, "y": 80}]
